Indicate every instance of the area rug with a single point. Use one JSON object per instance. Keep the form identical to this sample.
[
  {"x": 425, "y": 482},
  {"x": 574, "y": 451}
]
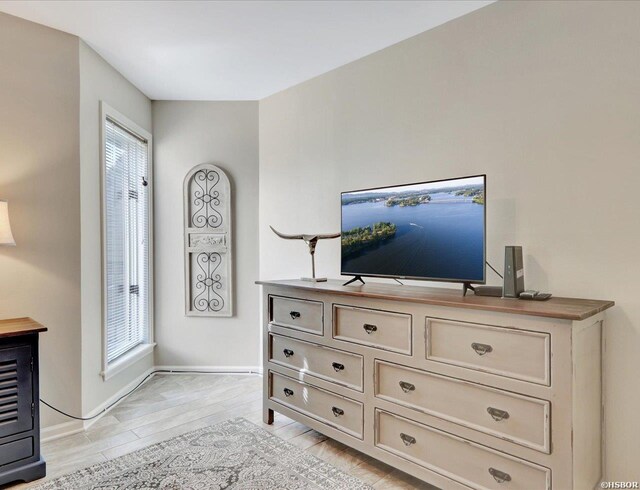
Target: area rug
[{"x": 235, "y": 454}]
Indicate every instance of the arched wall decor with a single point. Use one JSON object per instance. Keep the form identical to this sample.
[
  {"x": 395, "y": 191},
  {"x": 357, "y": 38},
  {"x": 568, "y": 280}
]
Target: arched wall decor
[{"x": 208, "y": 242}]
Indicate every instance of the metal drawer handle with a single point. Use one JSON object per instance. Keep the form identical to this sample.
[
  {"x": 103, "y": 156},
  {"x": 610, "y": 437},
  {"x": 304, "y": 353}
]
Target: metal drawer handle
[
  {"x": 499, "y": 476},
  {"x": 337, "y": 366},
  {"x": 481, "y": 349},
  {"x": 498, "y": 414},
  {"x": 287, "y": 352},
  {"x": 294, "y": 315},
  {"x": 337, "y": 411},
  {"x": 370, "y": 328},
  {"x": 407, "y": 439},
  {"x": 407, "y": 387},
  {"x": 288, "y": 392}
]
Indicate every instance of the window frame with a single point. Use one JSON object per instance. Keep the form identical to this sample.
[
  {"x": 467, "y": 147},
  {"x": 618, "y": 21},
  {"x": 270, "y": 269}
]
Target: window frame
[{"x": 142, "y": 350}]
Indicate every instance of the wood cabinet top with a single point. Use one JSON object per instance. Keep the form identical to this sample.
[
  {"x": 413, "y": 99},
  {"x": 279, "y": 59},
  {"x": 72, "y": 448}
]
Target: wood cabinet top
[
  {"x": 560, "y": 308},
  {"x": 20, "y": 326}
]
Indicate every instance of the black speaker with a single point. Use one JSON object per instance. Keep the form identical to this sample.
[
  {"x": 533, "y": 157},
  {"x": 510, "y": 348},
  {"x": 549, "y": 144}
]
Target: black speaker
[{"x": 513, "y": 271}]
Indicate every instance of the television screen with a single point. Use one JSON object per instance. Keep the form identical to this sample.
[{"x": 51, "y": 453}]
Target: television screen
[{"x": 430, "y": 230}]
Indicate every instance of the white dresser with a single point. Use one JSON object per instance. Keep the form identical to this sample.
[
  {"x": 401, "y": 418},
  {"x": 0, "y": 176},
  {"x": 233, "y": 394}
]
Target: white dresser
[{"x": 461, "y": 392}]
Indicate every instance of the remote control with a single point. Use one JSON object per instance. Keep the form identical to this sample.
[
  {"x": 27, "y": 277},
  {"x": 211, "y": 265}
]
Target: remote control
[{"x": 534, "y": 295}]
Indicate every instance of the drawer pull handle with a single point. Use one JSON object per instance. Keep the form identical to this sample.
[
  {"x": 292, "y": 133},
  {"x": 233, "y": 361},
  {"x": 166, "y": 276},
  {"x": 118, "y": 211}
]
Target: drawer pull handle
[
  {"x": 499, "y": 476},
  {"x": 369, "y": 328},
  {"x": 481, "y": 349},
  {"x": 287, "y": 352},
  {"x": 337, "y": 411},
  {"x": 407, "y": 387},
  {"x": 288, "y": 392},
  {"x": 337, "y": 366},
  {"x": 294, "y": 315},
  {"x": 498, "y": 414},
  {"x": 407, "y": 439}
]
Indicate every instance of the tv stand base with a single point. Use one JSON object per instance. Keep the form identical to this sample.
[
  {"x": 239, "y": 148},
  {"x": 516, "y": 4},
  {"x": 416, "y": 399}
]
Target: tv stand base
[
  {"x": 467, "y": 286},
  {"x": 493, "y": 291},
  {"x": 356, "y": 278}
]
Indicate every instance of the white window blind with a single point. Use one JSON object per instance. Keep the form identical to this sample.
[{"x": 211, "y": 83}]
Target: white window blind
[{"x": 126, "y": 228}]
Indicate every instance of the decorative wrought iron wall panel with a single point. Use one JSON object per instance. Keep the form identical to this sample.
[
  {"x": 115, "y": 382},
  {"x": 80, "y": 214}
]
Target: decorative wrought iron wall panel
[{"x": 208, "y": 242}]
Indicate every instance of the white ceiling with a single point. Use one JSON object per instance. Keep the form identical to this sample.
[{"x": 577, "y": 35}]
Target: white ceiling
[{"x": 235, "y": 50}]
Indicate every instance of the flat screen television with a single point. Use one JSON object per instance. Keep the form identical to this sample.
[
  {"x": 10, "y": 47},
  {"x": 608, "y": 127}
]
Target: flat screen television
[{"x": 429, "y": 230}]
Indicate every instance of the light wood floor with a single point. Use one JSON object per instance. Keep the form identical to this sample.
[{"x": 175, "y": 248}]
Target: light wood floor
[{"x": 170, "y": 405}]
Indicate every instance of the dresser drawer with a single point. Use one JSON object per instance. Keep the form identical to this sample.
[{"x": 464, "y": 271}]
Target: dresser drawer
[
  {"x": 301, "y": 314},
  {"x": 334, "y": 410},
  {"x": 333, "y": 365},
  {"x": 376, "y": 328},
  {"x": 16, "y": 450},
  {"x": 508, "y": 352},
  {"x": 520, "y": 419},
  {"x": 468, "y": 463}
]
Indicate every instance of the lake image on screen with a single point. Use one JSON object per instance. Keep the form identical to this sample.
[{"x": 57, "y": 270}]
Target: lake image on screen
[{"x": 433, "y": 230}]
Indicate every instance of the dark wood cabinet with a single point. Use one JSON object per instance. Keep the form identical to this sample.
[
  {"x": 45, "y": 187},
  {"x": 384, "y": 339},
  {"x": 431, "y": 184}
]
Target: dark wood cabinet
[{"x": 20, "y": 458}]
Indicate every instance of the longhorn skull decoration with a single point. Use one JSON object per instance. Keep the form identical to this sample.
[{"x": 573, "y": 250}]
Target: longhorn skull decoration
[{"x": 311, "y": 241}]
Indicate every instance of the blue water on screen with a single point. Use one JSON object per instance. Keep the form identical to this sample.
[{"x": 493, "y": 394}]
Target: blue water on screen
[{"x": 436, "y": 240}]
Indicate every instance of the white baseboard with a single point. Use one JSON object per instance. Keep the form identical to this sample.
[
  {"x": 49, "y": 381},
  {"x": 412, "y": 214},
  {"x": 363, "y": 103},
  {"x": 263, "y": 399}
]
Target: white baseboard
[
  {"x": 211, "y": 369},
  {"x": 100, "y": 409},
  {"x": 68, "y": 428},
  {"x": 73, "y": 427},
  {"x": 61, "y": 430}
]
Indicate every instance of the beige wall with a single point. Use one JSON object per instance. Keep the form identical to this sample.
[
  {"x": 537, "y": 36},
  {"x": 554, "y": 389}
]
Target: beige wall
[
  {"x": 99, "y": 81},
  {"x": 541, "y": 96},
  {"x": 187, "y": 134},
  {"x": 39, "y": 175},
  {"x": 50, "y": 173}
]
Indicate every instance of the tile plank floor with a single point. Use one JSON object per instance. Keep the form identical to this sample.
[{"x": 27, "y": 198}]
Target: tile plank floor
[{"x": 172, "y": 404}]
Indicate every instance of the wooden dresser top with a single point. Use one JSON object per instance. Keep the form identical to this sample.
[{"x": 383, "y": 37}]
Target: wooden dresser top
[
  {"x": 561, "y": 308},
  {"x": 20, "y": 326}
]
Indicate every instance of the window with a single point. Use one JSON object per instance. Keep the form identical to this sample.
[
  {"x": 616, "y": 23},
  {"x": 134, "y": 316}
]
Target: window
[{"x": 127, "y": 224}]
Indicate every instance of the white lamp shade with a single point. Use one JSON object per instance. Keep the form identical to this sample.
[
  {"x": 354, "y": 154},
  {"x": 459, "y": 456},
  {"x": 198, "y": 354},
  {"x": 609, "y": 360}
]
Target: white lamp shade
[{"x": 6, "y": 237}]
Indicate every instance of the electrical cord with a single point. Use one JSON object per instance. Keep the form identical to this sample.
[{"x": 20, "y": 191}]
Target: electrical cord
[
  {"x": 167, "y": 371},
  {"x": 494, "y": 270}
]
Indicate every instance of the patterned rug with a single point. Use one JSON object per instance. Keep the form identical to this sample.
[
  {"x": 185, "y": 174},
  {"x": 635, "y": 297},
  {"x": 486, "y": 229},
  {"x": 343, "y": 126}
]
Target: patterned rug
[{"x": 235, "y": 454}]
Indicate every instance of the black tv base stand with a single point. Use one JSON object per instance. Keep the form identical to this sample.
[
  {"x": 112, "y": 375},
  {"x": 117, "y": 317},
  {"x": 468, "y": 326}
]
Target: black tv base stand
[
  {"x": 493, "y": 291},
  {"x": 354, "y": 279},
  {"x": 466, "y": 286}
]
